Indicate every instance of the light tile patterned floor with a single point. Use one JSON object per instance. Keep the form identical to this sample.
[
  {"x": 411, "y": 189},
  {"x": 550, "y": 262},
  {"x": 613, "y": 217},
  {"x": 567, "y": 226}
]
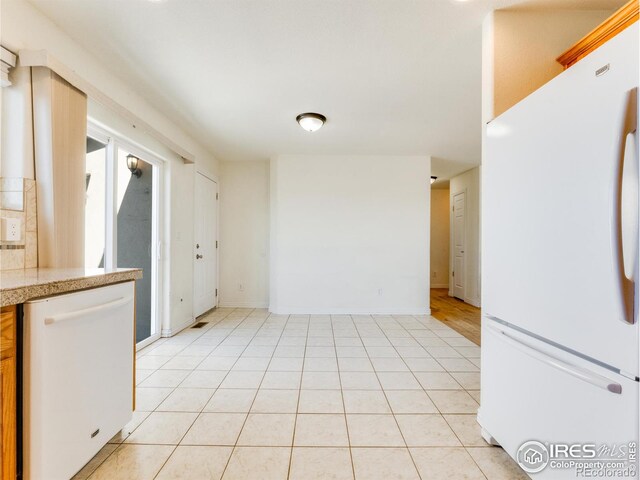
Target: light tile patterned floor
[{"x": 258, "y": 396}]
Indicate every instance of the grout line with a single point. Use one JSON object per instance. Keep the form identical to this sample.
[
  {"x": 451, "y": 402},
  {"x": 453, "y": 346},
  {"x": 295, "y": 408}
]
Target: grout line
[
  {"x": 175, "y": 447},
  {"x": 466, "y": 449},
  {"x": 415, "y": 466},
  {"x": 382, "y": 325},
  {"x": 442, "y": 414},
  {"x": 295, "y": 418},
  {"x": 122, "y": 444},
  {"x": 104, "y": 460},
  {"x": 235, "y": 446},
  {"x": 175, "y": 388},
  {"x": 470, "y": 447},
  {"x": 344, "y": 406}
]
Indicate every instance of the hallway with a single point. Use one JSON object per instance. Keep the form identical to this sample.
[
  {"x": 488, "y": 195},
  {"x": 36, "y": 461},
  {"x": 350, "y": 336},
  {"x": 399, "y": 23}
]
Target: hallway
[{"x": 460, "y": 316}]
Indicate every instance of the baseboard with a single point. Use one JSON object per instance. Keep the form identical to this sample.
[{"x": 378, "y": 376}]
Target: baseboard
[
  {"x": 349, "y": 311},
  {"x": 471, "y": 301},
  {"x": 439, "y": 285},
  {"x": 170, "y": 332},
  {"x": 224, "y": 304},
  {"x": 204, "y": 314}
]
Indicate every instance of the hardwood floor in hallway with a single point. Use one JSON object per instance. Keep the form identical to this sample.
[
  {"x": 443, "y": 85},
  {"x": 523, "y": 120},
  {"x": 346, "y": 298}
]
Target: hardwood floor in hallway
[{"x": 462, "y": 317}]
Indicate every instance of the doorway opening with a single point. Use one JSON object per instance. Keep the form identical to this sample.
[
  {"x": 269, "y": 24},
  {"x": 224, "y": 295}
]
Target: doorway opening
[
  {"x": 440, "y": 241},
  {"x": 448, "y": 255}
]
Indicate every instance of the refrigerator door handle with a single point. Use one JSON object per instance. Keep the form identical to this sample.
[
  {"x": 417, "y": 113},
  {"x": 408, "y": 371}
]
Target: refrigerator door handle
[
  {"x": 578, "y": 372},
  {"x": 627, "y": 285},
  {"x": 87, "y": 311}
]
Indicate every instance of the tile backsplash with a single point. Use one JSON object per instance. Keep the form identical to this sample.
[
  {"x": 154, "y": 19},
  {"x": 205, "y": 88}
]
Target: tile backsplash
[{"x": 18, "y": 200}]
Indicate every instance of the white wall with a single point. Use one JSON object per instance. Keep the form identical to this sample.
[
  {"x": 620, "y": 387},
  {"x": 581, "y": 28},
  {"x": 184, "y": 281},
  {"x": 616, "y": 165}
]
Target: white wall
[
  {"x": 16, "y": 153},
  {"x": 468, "y": 182},
  {"x": 350, "y": 234},
  {"x": 440, "y": 218},
  {"x": 244, "y": 234},
  {"x": 24, "y": 27},
  {"x": 520, "y": 48},
  {"x": 179, "y": 234}
]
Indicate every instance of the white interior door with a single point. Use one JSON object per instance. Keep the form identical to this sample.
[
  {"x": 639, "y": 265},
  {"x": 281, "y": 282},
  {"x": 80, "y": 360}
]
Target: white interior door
[
  {"x": 205, "y": 286},
  {"x": 459, "y": 201}
]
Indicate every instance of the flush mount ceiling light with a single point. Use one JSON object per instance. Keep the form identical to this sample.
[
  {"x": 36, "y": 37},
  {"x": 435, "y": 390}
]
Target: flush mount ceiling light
[
  {"x": 433, "y": 179},
  {"x": 311, "y": 121}
]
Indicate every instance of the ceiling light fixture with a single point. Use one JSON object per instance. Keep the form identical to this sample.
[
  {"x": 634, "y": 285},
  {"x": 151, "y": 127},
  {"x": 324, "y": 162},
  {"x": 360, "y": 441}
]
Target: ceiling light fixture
[
  {"x": 311, "y": 121},
  {"x": 433, "y": 179}
]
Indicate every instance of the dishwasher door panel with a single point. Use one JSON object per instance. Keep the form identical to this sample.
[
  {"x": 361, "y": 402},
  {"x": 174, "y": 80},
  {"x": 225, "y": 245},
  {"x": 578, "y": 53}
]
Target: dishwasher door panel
[{"x": 78, "y": 377}]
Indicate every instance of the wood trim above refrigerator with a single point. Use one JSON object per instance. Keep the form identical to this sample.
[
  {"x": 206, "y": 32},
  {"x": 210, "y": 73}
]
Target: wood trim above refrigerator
[{"x": 616, "y": 23}]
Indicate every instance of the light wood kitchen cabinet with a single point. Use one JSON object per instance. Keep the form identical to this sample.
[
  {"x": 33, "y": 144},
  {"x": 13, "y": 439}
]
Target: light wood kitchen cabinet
[{"x": 8, "y": 397}]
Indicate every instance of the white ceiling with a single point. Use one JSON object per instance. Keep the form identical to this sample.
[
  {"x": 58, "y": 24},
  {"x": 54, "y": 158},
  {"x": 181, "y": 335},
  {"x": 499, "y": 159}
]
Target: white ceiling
[{"x": 392, "y": 77}]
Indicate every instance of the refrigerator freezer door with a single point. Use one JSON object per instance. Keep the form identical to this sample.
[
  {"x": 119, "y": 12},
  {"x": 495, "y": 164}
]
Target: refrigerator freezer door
[
  {"x": 78, "y": 377},
  {"x": 532, "y": 391},
  {"x": 550, "y": 202}
]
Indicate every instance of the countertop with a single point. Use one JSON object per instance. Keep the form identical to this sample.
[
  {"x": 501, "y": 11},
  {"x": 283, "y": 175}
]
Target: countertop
[{"x": 18, "y": 286}]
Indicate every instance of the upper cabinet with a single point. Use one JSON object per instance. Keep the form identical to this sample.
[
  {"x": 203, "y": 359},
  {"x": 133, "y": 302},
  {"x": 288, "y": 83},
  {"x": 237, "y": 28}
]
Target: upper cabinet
[{"x": 626, "y": 16}]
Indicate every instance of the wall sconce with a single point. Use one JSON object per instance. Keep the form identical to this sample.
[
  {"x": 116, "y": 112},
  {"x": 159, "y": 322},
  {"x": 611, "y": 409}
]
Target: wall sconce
[
  {"x": 433, "y": 179},
  {"x": 132, "y": 164}
]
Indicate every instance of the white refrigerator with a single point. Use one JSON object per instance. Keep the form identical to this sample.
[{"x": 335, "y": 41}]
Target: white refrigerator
[{"x": 560, "y": 336}]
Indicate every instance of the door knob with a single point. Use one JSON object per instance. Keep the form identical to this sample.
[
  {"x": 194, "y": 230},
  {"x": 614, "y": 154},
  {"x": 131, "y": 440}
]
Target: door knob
[{"x": 198, "y": 256}]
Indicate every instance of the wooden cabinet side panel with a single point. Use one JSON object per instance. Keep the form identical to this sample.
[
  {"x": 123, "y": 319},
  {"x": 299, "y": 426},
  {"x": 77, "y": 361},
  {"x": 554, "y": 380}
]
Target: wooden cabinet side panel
[
  {"x": 8, "y": 332},
  {"x": 9, "y": 453},
  {"x": 8, "y": 392}
]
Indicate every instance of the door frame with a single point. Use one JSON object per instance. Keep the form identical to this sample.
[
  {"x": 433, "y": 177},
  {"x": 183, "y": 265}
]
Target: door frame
[
  {"x": 114, "y": 141},
  {"x": 452, "y": 243},
  {"x": 214, "y": 179}
]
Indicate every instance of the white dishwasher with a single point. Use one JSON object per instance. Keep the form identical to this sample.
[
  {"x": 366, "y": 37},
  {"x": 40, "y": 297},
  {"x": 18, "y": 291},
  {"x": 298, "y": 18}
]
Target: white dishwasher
[{"x": 78, "y": 377}]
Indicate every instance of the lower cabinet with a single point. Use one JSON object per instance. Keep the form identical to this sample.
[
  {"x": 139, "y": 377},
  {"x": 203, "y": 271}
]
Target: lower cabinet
[{"x": 8, "y": 394}]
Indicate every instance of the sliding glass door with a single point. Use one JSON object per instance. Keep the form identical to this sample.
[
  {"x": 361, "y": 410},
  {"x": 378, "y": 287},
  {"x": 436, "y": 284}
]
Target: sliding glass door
[
  {"x": 95, "y": 203},
  {"x": 135, "y": 233},
  {"x": 122, "y": 220}
]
